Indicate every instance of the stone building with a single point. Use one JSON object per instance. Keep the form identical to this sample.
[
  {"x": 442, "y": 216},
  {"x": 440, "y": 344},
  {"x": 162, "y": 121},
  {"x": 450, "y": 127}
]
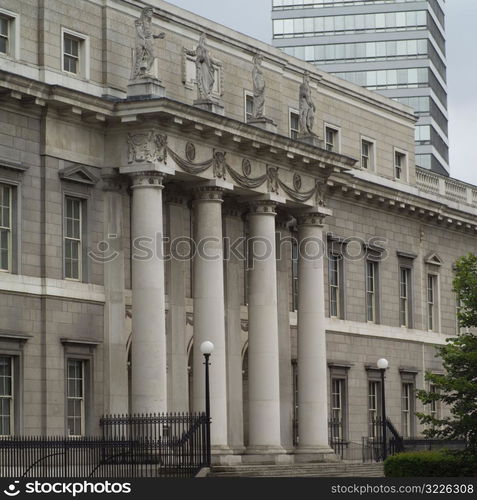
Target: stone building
[{"x": 129, "y": 141}]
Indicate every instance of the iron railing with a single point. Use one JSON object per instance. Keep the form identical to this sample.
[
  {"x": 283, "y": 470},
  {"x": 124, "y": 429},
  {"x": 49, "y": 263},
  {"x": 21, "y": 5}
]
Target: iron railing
[
  {"x": 347, "y": 450},
  {"x": 373, "y": 446},
  {"x": 172, "y": 445}
]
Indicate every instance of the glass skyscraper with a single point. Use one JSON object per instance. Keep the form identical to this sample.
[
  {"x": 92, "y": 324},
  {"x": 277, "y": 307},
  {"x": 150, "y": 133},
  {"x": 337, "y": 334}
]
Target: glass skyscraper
[{"x": 395, "y": 47}]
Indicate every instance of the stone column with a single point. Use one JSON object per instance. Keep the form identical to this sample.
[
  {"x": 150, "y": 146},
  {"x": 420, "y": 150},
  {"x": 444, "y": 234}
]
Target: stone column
[
  {"x": 148, "y": 363},
  {"x": 176, "y": 214},
  {"x": 115, "y": 355},
  {"x": 209, "y": 312},
  {"x": 264, "y": 376},
  {"x": 312, "y": 365},
  {"x": 233, "y": 231},
  {"x": 284, "y": 287}
]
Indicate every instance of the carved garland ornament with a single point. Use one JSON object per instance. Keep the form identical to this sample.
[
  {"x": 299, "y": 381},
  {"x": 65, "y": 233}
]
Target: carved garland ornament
[{"x": 152, "y": 147}]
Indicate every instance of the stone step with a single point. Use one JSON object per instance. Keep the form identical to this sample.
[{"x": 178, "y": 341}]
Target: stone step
[{"x": 300, "y": 470}]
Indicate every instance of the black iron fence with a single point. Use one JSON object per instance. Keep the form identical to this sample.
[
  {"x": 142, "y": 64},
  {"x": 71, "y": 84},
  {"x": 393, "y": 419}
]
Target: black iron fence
[
  {"x": 168, "y": 445},
  {"x": 347, "y": 450},
  {"x": 374, "y": 449},
  {"x": 371, "y": 447}
]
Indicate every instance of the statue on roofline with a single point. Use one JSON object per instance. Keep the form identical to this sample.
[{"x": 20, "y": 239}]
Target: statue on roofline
[{"x": 144, "y": 49}]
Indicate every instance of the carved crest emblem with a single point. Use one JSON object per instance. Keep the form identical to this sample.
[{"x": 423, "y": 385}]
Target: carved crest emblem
[
  {"x": 147, "y": 147},
  {"x": 219, "y": 164}
]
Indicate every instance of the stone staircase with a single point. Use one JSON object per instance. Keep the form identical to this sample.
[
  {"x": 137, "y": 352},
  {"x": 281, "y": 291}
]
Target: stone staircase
[{"x": 336, "y": 469}]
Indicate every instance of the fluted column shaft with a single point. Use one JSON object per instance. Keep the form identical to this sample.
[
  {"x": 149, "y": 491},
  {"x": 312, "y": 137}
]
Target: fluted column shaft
[
  {"x": 312, "y": 365},
  {"x": 209, "y": 309},
  {"x": 149, "y": 373},
  {"x": 264, "y": 388}
]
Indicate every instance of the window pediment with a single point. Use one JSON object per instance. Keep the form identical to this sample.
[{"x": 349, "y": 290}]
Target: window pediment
[
  {"x": 433, "y": 259},
  {"x": 78, "y": 173}
]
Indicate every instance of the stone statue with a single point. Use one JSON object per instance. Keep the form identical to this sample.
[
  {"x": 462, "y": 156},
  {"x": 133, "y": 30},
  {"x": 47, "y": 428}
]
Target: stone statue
[
  {"x": 258, "y": 87},
  {"x": 204, "y": 70},
  {"x": 306, "y": 107},
  {"x": 144, "y": 53}
]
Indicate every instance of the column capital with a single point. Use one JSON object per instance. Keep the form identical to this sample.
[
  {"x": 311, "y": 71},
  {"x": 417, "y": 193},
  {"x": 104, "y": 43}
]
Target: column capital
[
  {"x": 146, "y": 168},
  {"x": 208, "y": 193},
  {"x": 313, "y": 216},
  {"x": 211, "y": 190},
  {"x": 262, "y": 207},
  {"x": 147, "y": 179}
]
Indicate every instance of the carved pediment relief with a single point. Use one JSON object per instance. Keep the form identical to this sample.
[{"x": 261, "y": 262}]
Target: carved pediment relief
[{"x": 78, "y": 173}]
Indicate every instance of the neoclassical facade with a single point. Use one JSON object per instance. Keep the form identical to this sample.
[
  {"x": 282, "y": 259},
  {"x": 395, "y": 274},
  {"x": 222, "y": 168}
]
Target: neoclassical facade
[{"x": 148, "y": 204}]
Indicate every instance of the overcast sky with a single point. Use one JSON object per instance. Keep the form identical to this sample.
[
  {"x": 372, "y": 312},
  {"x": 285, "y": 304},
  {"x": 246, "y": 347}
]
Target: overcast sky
[{"x": 252, "y": 17}]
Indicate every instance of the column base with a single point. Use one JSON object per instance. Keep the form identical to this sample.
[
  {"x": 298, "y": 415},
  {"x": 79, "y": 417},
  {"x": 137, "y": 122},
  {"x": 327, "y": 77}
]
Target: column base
[
  {"x": 315, "y": 454},
  {"x": 211, "y": 106},
  {"x": 146, "y": 88},
  {"x": 263, "y": 123},
  {"x": 224, "y": 455},
  {"x": 266, "y": 455},
  {"x": 311, "y": 139}
]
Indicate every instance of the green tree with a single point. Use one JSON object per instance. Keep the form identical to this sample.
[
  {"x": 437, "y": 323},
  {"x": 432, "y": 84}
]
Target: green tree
[{"x": 457, "y": 387}]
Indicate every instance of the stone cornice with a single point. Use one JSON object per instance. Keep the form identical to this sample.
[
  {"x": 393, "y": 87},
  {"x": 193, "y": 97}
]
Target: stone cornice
[
  {"x": 14, "y": 165},
  {"x": 402, "y": 198},
  {"x": 188, "y": 118}
]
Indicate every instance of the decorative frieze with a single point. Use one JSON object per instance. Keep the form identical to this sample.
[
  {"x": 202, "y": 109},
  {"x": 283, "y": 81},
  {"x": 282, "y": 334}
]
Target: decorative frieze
[{"x": 153, "y": 147}]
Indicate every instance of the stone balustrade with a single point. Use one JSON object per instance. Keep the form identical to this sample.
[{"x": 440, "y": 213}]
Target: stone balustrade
[{"x": 446, "y": 187}]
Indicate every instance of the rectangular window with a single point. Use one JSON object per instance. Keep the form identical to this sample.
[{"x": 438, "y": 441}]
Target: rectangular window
[
  {"x": 434, "y": 409},
  {"x": 295, "y": 402},
  {"x": 337, "y": 401},
  {"x": 365, "y": 151},
  {"x": 6, "y": 396},
  {"x": 404, "y": 296},
  {"x": 431, "y": 301},
  {"x": 75, "y": 397},
  {"x": 5, "y": 227},
  {"x": 294, "y": 124},
  {"x": 407, "y": 408},
  {"x": 4, "y": 35},
  {"x": 295, "y": 275},
  {"x": 248, "y": 107},
  {"x": 75, "y": 53},
  {"x": 334, "y": 281},
  {"x": 399, "y": 165},
  {"x": 71, "y": 54},
  {"x": 331, "y": 139},
  {"x": 371, "y": 290},
  {"x": 73, "y": 237},
  {"x": 374, "y": 406},
  {"x": 367, "y": 154}
]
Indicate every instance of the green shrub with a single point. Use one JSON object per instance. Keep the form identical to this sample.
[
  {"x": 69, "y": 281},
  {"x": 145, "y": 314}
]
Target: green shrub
[{"x": 442, "y": 463}]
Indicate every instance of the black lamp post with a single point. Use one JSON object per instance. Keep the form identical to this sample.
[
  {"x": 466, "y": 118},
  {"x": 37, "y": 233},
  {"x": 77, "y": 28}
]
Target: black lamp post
[
  {"x": 383, "y": 365},
  {"x": 207, "y": 348}
]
